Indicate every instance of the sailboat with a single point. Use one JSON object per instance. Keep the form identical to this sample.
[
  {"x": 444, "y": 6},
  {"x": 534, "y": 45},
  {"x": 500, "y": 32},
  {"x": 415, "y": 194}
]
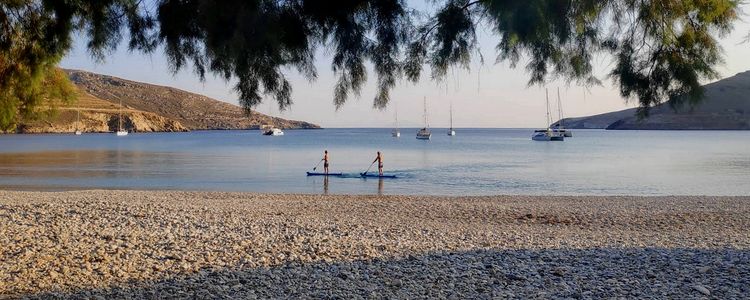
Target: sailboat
[
  {"x": 120, "y": 132},
  {"x": 424, "y": 133},
  {"x": 396, "y": 133},
  {"x": 559, "y": 128},
  {"x": 451, "y": 132},
  {"x": 78, "y": 121},
  {"x": 547, "y": 134}
]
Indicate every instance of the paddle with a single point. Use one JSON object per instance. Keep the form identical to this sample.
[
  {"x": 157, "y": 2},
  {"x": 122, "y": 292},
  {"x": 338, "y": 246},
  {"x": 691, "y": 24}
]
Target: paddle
[
  {"x": 316, "y": 166},
  {"x": 368, "y": 168}
]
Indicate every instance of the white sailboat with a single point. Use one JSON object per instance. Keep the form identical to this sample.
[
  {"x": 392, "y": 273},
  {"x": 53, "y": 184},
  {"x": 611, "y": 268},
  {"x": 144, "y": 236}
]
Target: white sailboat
[
  {"x": 78, "y": 121},
  {"x": 451, "y": 132},
  {"x": 396, "y": 132},
  {"x": 560, "y": 127},
  {"x": 120, "y": 132},
  {"x": 424, "y": 133},
  {"x": 547, "y": 134}
]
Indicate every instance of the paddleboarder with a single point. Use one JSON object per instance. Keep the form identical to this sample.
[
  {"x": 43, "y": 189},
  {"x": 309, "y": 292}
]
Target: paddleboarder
[
  {"x": 379, "y": 159},
  {"x": 325, "y": 162}
]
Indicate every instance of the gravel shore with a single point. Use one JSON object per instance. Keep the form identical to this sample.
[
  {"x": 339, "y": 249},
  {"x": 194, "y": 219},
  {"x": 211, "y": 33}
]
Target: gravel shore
[{"x": 154, "y": 244}]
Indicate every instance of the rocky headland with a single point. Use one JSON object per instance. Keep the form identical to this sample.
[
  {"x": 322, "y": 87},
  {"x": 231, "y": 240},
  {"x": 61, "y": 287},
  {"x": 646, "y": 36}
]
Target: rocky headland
[
  {"x": 726, "y": 106},
  {"x": 145, "y": 108}
]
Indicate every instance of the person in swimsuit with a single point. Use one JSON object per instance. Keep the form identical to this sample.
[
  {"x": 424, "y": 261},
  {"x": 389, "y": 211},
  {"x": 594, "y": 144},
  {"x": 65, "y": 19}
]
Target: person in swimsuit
[
  {"x": 325, "y": 162},
  {"x": 379, "y": 159}
]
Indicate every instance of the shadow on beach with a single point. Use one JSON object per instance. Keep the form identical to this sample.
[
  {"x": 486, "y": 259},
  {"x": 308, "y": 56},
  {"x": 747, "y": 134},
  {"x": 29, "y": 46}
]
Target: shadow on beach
[{"x": 480, "y": 274}]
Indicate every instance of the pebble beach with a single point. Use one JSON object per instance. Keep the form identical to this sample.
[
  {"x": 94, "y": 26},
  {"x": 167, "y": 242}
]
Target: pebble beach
[{"x": 163, "y": 244}]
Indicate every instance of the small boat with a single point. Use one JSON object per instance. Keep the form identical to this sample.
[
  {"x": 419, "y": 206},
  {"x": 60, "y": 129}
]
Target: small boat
[
  {"x": 451, "y": 132},
  {"x": 377, "y": 175},
  {"x": 424, "y": 133},
  {"x": 120, "y": 132},
  {"x": 563, "y": 132},
  {"x": 324, "y": 174},
  {"x": 547, "y": 134},
  {"x": 273, "y": 132}
]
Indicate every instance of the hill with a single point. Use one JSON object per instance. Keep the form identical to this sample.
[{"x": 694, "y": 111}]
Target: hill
[
  {"x": 97, "y": 115},
  {"x": 196, "y": 112},
  {"x": 726, "y": 106}
]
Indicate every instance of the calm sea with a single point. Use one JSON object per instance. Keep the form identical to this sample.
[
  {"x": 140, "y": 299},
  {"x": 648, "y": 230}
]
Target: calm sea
[{"x": 475, "y": 162}]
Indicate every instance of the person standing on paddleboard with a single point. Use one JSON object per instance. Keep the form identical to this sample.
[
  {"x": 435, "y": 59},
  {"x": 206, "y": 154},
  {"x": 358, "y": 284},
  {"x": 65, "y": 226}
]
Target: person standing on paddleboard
[
  {"x": 325, "y": 162},
  {"x": 379, "y": 159}
]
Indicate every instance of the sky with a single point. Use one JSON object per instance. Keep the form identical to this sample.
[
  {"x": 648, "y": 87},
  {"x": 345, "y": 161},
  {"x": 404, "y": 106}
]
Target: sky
[{"x": 487, "y": 95}]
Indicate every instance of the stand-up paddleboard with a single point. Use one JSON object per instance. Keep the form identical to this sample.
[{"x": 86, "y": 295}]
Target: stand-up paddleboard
[
  {"x": 324, "y": 174},
  {"x": 376, "y": 175}
]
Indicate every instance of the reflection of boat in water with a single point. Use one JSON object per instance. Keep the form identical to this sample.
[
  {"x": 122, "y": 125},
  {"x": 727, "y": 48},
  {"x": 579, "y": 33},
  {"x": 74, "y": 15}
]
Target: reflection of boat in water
[
  {"x": 424, "y": 133},
  {"x": 547, "y": 134},
  {"x": 273, "y": 132}
]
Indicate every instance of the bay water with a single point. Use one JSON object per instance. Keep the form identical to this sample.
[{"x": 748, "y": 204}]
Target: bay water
[{"x": 474, "y": 162}]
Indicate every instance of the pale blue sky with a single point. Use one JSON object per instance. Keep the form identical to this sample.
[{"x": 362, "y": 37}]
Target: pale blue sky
[{"x": 491, "y": 95}]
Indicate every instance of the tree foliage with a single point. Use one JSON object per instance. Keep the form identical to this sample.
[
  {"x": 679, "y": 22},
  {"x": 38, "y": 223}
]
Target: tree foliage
[{"x": 662, "y": 49}]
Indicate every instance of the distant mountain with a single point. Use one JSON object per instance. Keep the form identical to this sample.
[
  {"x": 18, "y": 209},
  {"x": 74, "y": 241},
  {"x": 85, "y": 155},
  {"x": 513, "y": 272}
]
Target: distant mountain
[
  {"x": 195, "y": 112},
  {"x": 726, "y": 106}
]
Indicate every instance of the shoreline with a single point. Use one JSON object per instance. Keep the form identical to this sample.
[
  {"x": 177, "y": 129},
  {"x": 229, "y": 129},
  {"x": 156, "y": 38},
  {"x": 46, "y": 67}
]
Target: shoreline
[
  {"x": 60, "y": 189},
  {"x": 147, "y": 244}
]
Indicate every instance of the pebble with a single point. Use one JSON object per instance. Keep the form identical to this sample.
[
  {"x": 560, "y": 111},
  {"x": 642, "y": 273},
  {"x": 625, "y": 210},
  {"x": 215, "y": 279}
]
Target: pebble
[
  {"x": 149, "y": 244},
  {"x": 702, "y": 289}
]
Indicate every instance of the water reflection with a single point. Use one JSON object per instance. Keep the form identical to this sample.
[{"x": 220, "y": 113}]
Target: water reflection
[
  {"x": 90, "y": 164},
  {"x": 325, "y": 185},
  {"x": 478, "y": 162},
  {"x": 380, "y": 186}
]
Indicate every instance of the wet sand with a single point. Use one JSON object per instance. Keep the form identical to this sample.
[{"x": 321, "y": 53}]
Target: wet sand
[{"x": 158, "y": 244}]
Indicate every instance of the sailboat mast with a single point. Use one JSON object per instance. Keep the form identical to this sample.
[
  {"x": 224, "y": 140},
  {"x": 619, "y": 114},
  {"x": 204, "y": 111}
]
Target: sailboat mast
[
  {"x": 546, "y": 92},
  {"x": 451, "y": 113},
  {"x": 78, "y": 118},
  {"x": 119, "y": 117},
  {"x": 559, "y": 110},
  {"x": 397, "y": 116},
  {"x": 425, "y": 113}
]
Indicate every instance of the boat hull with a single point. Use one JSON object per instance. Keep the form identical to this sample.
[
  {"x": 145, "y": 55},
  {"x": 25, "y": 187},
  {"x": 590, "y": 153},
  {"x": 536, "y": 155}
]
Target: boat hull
[
  {"x": 324, "y": 174},
  {"x": 121, "y": 133},
  {"x": 563, "y": 132},
  {"x": 274, "y": 132},
  {"x": 547, "y": 136}
]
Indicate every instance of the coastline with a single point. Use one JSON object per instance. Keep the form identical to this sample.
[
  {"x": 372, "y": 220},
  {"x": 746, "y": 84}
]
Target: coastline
[{"x": 151, "y": 244}]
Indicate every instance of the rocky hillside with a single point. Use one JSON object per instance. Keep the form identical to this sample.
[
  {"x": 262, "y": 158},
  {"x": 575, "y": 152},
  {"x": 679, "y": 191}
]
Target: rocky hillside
[
  {"x": 97, "y": 115},
  {"x": 726, "y": 106},
  {"x": 194, "y": 111}
]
